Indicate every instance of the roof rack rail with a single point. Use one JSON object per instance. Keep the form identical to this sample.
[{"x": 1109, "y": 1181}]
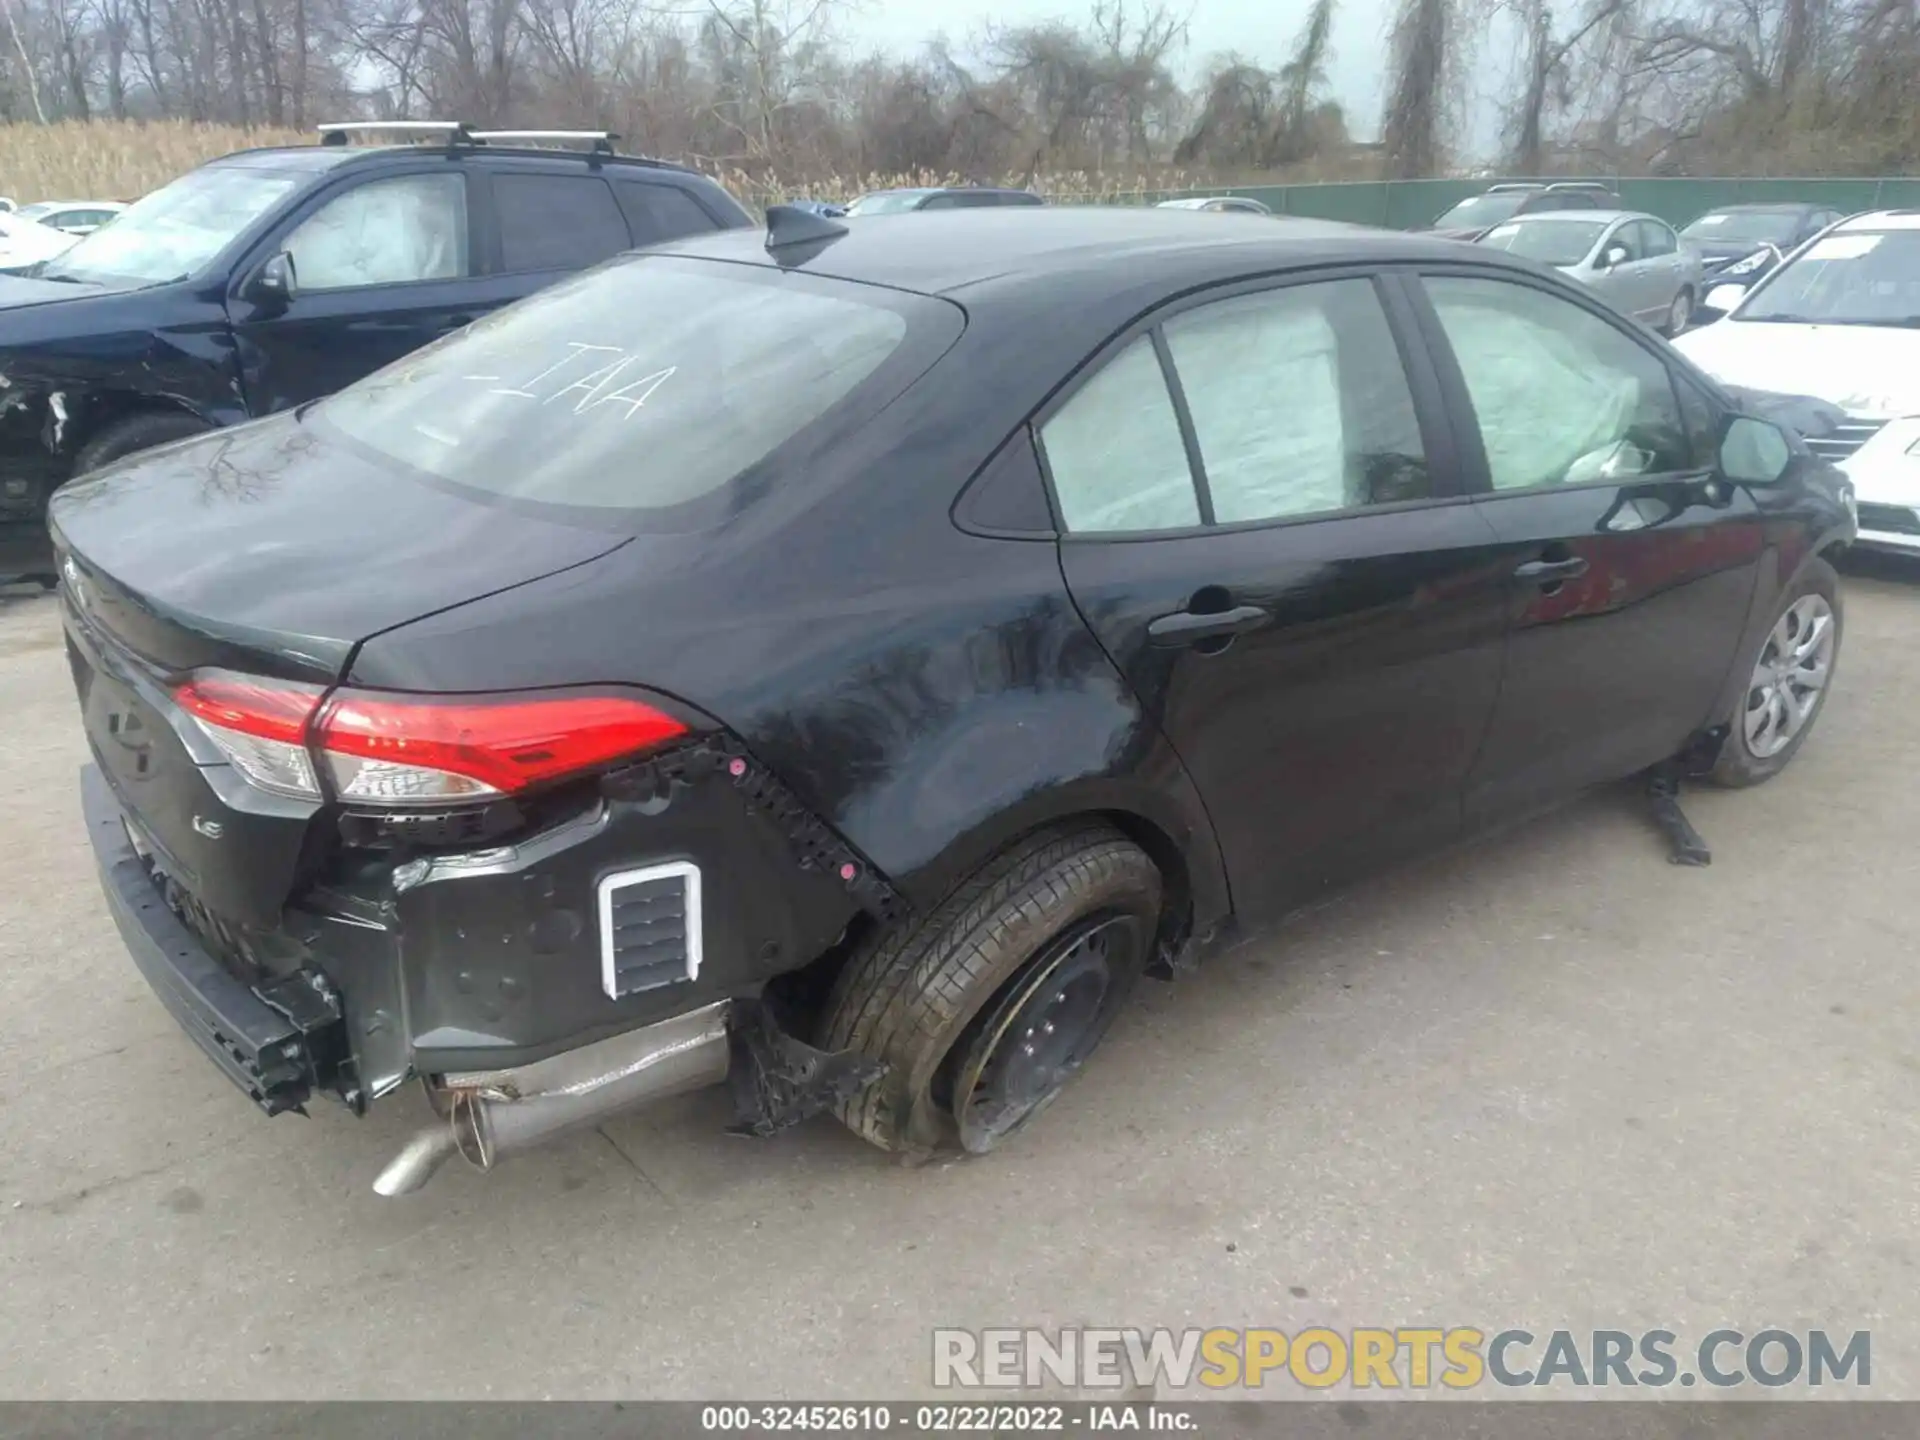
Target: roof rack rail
[
  {"x": 1581, "y": 185},
  {"x": 1515, "y": 185},
  {"x": 599, "y": 141},
  {"x": 336, "y": 132}
]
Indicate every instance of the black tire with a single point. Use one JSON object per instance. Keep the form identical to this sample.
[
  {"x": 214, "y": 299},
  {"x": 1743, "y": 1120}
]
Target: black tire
[
  {"x": 1670, "y": 328},
  {"x": 925, "y": 997},
  {"x": 133, "y": 433},
  {"x": 1737, "y": 766}
]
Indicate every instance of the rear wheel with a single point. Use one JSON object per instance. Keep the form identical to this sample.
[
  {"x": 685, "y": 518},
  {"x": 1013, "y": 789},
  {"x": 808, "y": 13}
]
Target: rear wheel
[
  {"x": 987, "y": 1008},
  {"x": 1787, "y": 683},
  {"x": 133, "y": 433},
  {"x": 1679, "y": 313}
]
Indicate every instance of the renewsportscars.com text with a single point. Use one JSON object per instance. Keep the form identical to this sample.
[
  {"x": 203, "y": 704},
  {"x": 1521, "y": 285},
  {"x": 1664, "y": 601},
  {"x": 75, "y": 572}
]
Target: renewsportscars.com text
[{"x": 1400, "y": 1358}]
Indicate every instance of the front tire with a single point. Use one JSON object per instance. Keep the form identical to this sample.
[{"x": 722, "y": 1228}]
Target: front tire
[
  {"x": 985, "y": 1010},
  {"x": 1788, "y": 680},
  {"x": 133, "y": 433}
]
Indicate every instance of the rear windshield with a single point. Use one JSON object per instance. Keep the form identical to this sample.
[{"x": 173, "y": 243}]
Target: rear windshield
[
  {"x": 1551, "y": 242},
  {"x": 643, "y": 385}
]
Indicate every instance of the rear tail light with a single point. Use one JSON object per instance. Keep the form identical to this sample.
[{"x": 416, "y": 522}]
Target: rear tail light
[
  {"x": 260, "y": 725},
  {"x": 381, "y": 748}
]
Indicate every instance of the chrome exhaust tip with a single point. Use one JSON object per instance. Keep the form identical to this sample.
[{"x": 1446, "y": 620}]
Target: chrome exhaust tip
[{"x": 495, "y": 1113}]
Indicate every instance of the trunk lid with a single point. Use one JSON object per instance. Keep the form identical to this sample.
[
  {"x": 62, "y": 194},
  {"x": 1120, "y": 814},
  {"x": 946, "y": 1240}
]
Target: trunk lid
[
  {"x": 250, "y": 550},
  {"x": 271, "y": 549}
]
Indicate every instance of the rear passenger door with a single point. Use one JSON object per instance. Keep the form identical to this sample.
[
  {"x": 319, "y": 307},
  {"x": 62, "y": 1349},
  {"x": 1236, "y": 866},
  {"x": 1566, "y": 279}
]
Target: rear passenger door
[
  {"x": 1261, "y": 521},
  {"x": 1630, "y": 565},
  {"x": 547, "y": 225}
]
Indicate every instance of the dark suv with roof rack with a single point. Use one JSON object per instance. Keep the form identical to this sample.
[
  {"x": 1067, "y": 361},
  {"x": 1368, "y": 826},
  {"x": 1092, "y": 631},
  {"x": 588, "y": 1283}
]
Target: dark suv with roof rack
[
  {"x": 1477, "y": 214},
  {"x": 272, "y": 277}
]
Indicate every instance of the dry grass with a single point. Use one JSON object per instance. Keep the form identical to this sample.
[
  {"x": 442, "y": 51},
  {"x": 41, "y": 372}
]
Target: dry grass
[
  {"x": 113, "y": 160},
  {"x": 121, "y": 160}
]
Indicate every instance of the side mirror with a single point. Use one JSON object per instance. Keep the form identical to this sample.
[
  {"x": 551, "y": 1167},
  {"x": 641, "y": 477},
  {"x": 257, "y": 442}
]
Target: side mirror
[
  {"x": 1613, "y": 255},
  {"x": 1754, "y": 452},
  {"x": 274, "y": 285}
]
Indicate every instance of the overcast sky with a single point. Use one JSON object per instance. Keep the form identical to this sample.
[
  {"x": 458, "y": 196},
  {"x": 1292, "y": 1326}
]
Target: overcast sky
[{"x": 1262, "y": 30}]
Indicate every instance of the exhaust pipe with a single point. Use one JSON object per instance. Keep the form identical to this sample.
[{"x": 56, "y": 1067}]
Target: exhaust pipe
[{"x": 487, "y": 1115}]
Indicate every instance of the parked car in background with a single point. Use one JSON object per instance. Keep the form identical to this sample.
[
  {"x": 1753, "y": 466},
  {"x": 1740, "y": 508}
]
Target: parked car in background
[
  {"x": 1635, "y": 261},
  {"x": 830, "y": 209},
  {"x": 956, "y": 197},
  {"x": 1840, "y": 322},
  {"x": 1743, "y": 242},
  {"x": 73, "y": 217},
  {"x": 743, "y": 661},
  {"x": 25, "y": 242},
  {"x": 1218, "y": 204},
  {"x": 272, "y": 277},
  {"x": 7, "y": 206},
  {"x": 1473, "y": 217}
]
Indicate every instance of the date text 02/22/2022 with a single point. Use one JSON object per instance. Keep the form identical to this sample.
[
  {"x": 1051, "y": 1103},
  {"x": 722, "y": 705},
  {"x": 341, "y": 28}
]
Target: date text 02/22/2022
[{"x": 948, "y": 1418}]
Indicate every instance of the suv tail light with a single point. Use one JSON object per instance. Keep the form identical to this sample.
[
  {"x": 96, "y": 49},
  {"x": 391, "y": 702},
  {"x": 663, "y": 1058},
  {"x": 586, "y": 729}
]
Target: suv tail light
[{"x": 382, "y": 748}]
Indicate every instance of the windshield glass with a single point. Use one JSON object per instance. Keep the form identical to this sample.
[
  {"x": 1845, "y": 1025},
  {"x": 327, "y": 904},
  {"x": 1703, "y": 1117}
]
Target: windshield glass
[
  {"x": 1762, "y": 227},
  {"x": 1856, "y": 277},
  {"x": 639, "y": 386},
  {"x": 1482, "y": 210},
  {"x": 1551, "y": 242},
  {"x": 887, "y": 202},
  {"x": 171, "y": 233}
]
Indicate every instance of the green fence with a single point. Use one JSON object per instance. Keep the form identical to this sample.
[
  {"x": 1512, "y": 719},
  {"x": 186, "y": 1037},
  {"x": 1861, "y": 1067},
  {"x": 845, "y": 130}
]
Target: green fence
[{"x": 1408, "y": 204}]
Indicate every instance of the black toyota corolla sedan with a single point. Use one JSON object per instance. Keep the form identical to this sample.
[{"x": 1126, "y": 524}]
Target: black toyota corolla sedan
[{"x": 839, "y": 660}]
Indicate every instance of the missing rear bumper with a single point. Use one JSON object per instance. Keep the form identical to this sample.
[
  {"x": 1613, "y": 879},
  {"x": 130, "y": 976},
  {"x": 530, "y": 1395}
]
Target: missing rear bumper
[{"x": 279, "y": 1041}]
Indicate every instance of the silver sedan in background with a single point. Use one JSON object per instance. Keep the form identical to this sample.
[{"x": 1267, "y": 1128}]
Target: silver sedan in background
[{"x": 1635, "y": 261}]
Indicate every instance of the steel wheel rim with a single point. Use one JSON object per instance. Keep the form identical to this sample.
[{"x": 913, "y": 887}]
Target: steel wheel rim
[
  {"x": 1678, "y": 314},
  {"x": 1038, "y": 1035},
  {"x": 1790, "y": 677}
]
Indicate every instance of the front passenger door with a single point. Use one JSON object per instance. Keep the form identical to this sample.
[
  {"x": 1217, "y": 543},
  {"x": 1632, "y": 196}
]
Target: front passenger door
[
  {"x": 380, "y": 269},
  {"x": 1262, "y": 528},
  {"x": 1631, "y": 565}
]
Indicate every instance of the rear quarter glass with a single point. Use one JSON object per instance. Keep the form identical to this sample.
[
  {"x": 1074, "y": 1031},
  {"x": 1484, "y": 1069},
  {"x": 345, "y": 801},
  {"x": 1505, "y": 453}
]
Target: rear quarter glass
[{"x": 655, "y": 392}]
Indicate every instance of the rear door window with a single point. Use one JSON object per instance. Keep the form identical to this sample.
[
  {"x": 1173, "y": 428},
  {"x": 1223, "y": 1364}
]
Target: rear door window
[
  {"x": 662, "y": 212},
  {"x": 556, "y": 222},
  {"x": 644, "y": 385},
  {"x": 1298, "y": 401}
]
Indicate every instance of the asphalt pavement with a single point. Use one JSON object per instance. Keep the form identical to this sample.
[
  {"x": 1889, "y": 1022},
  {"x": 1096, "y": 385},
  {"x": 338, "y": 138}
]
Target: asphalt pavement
[{"x": 1548, "y": 1080}]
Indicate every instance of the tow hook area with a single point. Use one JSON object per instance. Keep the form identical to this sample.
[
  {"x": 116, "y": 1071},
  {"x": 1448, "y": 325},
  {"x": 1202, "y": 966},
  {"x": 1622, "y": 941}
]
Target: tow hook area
[
  {"x": 1663, "y": 794},
  {"x": 485, "y": 1116}
]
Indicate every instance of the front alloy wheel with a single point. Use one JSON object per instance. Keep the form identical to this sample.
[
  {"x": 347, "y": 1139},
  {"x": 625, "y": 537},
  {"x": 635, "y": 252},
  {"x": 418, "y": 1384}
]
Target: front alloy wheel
[{"x": 1789, "y": 677}]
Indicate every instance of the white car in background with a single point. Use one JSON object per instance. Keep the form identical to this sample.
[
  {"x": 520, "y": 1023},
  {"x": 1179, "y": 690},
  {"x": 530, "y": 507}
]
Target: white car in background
[
  {"x": 1840, "y": 321},
  {"x": 25, "y": 242},
  {"x": 73, "y": 217}
]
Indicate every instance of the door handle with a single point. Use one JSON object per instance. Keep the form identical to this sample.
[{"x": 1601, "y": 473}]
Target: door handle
[
  {"x": 1551, "y": 572},
  {"x": 1187, "y": 626}
]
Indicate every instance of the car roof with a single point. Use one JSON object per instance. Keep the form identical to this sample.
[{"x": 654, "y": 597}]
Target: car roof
[
  {"x": 982, "y": 249},
  {"x": 1765, "y": 207}
]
